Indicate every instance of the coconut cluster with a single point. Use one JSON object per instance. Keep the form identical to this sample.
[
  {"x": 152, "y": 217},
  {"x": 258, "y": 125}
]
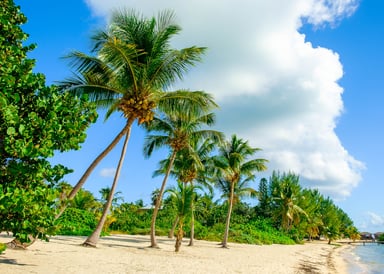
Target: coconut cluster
[
  {"x": 142, "y": 109},
  {"x": 188, "y": 175}
]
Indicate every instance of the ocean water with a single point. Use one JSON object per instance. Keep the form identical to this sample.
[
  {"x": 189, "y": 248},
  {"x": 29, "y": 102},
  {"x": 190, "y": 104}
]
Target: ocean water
[{"x": 365, "y": 259}]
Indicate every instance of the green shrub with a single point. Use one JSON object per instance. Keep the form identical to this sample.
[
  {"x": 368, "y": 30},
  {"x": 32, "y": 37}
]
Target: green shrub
[
  {"x": 76, "y": 222},
  {"x": 200, "y": 231},
  {"x": 258, "y": 232},
  {"x": 381, "y": 237},
  {"x": 2, "y": 247}
]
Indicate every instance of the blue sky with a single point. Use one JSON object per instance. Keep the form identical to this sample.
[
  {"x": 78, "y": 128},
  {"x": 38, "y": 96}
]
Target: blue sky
[{"x": 300, "y": 79}]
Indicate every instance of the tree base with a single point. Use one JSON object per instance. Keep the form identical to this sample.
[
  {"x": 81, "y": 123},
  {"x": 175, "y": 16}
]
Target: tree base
[
  {"x": 177, "y": 245},
  {"x": 88, "y": 244},
  {"x": 16, "y": 244}
]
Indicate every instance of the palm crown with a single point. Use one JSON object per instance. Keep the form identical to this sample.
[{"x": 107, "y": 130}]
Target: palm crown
[{"x": 133, "y": 66}]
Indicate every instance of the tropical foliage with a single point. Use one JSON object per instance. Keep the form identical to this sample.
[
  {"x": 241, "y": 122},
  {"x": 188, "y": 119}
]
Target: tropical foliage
[
  {"x": 35, "y": 122},
  {"x": 302, "y": 213},
  {"x": 210, "y": 215},
  {"x": 76, "y": 221}
]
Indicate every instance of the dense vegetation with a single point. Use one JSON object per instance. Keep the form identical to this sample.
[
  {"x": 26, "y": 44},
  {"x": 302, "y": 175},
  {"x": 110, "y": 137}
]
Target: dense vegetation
[
  {"x": 129, "y": 69},
  {"x": 307, "y": 215},
  {"x": 35, "y": 122}
]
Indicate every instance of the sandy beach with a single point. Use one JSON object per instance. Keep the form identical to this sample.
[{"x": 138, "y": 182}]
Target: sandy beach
[{"x": 131, "y": 254}]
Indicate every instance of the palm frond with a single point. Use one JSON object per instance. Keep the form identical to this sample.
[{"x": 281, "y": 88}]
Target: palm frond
[
  {"x": 152, "y": 142},
  {"x": 194, "y": 103}
]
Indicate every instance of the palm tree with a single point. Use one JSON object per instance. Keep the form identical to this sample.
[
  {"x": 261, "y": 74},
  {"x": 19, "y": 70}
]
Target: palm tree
[
  {"x": 241, "y": 189},
  {"x": 133, "y": 65},
  {"x": 331, "y": 219},
  {"x": 179, "y": 173},
  {"x": 232, "y": 166},
  {"x": 177, "y": 130},
  {"x": 198, "y": 169},
  {"x": 311, "y": 205},
  {"x": 85, "y": 200},
  {"x": 183, "y": 194},
  {"x": 286, "y": 192},
  {"x": 189, "y": 168},
  {"x": 104, "y": 192}
]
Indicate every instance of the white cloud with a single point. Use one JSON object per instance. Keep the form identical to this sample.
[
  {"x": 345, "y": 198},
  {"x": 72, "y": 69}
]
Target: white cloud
[
  {"x": 375, "y": 219},
  {"x": 108, "y": 172},
  {"x": 274, "y": 88},
  {"x": 331, "y": 11}
]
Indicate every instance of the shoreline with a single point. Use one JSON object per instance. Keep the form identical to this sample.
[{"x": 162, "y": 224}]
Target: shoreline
[{"x": 131, "y": 254}]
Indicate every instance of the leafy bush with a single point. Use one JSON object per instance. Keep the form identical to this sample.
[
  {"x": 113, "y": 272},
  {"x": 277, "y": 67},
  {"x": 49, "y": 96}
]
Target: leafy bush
[
  {"x": 251, "y": 234},
  {"x": 258, "y": 232},
  {"x": 2, "y": 247},
  {"x": 132, "y": 220},
  {"x": 36, "y": 121},
  {"x": 200, "y": 231},
  {"x": 76, "y": 222},
  {"x": 381, "y": 237}
]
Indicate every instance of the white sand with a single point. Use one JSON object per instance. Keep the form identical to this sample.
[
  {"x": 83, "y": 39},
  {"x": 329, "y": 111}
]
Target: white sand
[{"x": 131, "y": 254}]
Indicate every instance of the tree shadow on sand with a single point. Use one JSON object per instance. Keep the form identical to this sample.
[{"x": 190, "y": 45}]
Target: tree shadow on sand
[
  {"x": 9, "y": 261},
  {"x": 133, "y": 239}
]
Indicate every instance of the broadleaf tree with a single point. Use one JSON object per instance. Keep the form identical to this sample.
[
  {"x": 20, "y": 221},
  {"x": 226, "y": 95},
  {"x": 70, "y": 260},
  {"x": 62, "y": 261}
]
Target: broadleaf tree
[{"x": 35, "y": 122}]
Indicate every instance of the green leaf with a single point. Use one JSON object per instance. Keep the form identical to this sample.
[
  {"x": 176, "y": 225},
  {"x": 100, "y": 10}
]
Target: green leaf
[
  {"x": 11, "y": 131},
  {"x": 21, "y": 129}
]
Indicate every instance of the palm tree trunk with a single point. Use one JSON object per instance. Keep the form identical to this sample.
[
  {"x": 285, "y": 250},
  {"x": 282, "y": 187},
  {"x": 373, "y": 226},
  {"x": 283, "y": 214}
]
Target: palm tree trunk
[
  {"x": 172, "y": 231},
  {"x": 94, "y": 237},
  {"x": 158, "y": 201},
  {"x": 179, "y": 235},
  {"x": 80, "y": 183},
  {"x": 228, "y": 220},
  {"x": 192, "y": 233}
]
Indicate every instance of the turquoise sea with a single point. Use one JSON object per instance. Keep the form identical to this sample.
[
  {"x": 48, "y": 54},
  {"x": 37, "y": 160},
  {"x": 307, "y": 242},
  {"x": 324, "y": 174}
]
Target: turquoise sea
[{"x": 365, "y": 259}]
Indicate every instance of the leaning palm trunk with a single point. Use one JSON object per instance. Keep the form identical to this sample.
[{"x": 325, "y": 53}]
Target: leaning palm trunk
[
  {"x": 158, "y": 201},
  {"x": 80, "y": 183},
  {"x": 192, "y": 233},
  {"x": 180, "y": 233},
  {"x": 228, "y": 220},
  {"x": 172, "y": 231},
  {"x": 94, "y": 238}
]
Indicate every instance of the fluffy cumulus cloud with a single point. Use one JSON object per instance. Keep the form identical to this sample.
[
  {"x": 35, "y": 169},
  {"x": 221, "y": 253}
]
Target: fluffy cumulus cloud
[
  {"x": 273, "y": 87},
  {"x": 108, "y": 172}
]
